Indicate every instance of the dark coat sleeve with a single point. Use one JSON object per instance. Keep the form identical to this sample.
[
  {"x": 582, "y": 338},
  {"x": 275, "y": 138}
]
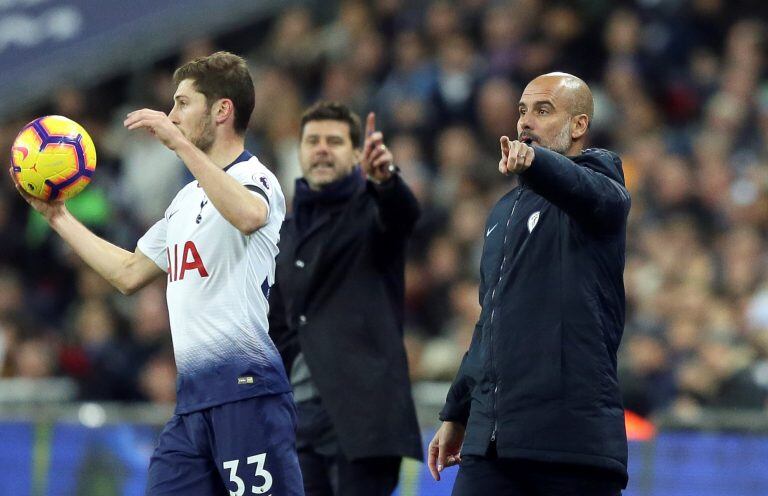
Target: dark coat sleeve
[
  {"x": 588, "y": 196},
  {"x": 279, "y": 330},
  {"x": 458, "y": 400},
  {"x": 398, "y": 207}
]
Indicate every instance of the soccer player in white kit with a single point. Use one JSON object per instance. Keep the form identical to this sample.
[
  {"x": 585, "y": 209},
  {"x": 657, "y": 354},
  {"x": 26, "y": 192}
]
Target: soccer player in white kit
[{"x": 233, "y": 429}]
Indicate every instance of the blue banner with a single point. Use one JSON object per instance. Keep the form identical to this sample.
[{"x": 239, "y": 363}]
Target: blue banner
[
  {"x": 45, "y": 44},
  {"x": 69, "y": 459}
]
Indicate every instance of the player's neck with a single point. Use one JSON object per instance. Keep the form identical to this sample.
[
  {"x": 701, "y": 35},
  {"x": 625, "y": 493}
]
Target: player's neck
[{"x": 225, "y": 150}]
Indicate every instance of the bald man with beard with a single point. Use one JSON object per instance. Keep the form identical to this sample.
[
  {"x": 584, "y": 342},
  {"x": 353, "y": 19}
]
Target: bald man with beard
[{"x": 535, "y": 408}]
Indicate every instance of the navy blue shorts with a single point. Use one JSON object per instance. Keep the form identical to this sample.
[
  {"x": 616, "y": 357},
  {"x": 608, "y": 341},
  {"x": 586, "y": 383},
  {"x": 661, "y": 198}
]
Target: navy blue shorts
[{"x": 241, "y": 448}]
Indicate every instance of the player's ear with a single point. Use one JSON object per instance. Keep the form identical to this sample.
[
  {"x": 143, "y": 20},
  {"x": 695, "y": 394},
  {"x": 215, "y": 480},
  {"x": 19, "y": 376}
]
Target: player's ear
[
  {"x": 358, "y": 155},
  {"x": 223, "y": 109},
  {"x": 579, "y": 126}
]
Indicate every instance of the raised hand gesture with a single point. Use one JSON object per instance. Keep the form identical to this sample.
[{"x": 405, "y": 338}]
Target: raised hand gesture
[
  {"x": 516, "y": 156},
  {"x": 158, "y": 124},
  {"x": 377, "y": 159}
]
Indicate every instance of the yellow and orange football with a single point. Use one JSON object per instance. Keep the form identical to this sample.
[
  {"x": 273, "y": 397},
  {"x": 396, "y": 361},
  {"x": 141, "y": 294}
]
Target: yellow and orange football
[{"x": 53, "y": 158}]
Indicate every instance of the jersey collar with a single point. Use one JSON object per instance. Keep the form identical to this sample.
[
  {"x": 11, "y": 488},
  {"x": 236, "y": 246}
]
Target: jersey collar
[{"x": 246, "y": 155}]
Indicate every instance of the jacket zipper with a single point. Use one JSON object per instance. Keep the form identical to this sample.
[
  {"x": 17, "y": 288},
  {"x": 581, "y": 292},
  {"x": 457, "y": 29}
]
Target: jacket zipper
[{"x": 493, "y": 311}]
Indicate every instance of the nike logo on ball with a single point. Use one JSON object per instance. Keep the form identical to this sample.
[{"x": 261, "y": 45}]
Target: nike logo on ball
[{"x": 23, "y": 150}]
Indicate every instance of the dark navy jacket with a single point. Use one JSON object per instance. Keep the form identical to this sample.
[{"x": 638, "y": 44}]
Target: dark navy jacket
[
  {"x": 338, "y": 297},
  {"x": 540, "y": 375}
]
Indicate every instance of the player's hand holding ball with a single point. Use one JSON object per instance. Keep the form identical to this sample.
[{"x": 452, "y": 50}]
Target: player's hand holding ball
[{"x": 52, "y": 159}]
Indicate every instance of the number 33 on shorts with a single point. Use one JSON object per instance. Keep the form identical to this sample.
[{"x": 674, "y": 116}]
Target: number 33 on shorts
[{"x": 260, "y": 473}]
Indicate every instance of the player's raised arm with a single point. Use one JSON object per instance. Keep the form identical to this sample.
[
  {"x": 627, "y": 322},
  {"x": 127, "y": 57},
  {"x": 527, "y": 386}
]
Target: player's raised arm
[
  {"x": 244, "y": 210},
  {"x": 126, "y": 271},
  {"x": 398, "y": 207}
]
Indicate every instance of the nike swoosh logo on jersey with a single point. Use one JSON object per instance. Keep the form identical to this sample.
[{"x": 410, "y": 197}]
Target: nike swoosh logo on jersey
[
  {"x": 172, "y": 214},
  {"x": 488, "y": 233}
]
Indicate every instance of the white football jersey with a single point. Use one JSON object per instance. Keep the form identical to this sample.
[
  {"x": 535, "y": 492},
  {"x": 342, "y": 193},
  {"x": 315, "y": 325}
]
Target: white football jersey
[{"x": 218, "y": 282}]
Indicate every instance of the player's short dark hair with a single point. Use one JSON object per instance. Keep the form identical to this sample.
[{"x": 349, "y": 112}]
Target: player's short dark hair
[
  {"x": 222, "y": 75},
  {"x": 334, "y": 111}
]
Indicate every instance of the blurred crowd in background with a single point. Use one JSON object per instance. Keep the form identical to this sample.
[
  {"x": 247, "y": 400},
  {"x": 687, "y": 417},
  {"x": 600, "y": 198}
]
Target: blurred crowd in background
[{"x": 681, "y": 94}]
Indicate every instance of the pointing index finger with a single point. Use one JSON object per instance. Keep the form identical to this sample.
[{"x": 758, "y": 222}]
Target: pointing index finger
[
  {"x": 370, "y": 124},
  {"x": 504, "y": 146}
]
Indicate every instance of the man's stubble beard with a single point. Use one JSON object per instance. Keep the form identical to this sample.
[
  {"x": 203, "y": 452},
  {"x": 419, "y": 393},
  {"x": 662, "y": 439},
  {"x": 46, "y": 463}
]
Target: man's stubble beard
[
  {"x": 204, "y": 141},
  {"x": 563, "y": 141},
  {"x": 338, "y": 176}
]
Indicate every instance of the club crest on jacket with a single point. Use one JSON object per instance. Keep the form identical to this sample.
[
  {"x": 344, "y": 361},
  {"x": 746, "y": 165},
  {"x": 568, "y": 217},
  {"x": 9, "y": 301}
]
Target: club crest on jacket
[{"x": 533, "y": 220}]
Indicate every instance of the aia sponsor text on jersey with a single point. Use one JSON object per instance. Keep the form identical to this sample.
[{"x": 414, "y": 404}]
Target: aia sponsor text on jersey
[{"x": 190, "y": 260}]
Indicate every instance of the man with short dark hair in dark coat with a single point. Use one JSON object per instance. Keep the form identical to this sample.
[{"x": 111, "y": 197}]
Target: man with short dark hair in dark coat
[
  {"x": 535, "y": 408},
  {"x": 336, "y": 309}
]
